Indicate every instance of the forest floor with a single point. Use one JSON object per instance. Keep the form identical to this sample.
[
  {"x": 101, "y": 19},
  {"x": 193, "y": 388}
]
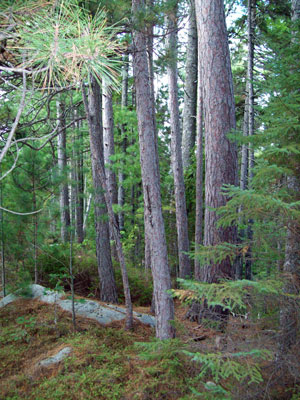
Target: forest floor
[{"x": 107, "y": 362}]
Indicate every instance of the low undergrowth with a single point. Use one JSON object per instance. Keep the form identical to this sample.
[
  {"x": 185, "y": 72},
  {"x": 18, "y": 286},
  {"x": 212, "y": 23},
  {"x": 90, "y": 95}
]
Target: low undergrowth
[
  {"x": 104, "y": 363},
  {"x": 109, "y": 363}
]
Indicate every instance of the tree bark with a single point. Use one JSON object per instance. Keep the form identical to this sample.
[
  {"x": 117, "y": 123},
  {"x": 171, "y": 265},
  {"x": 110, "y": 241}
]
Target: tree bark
[
  {"x": 62, "y": 166},
  {"x": 78, "y": 180},
  {"x": 199, "y": 176},
  {"x": 247, "y": 159},
  {"x": 91, "y": 105},
  {"x": 35, "y": 224},
  {"x": 164, "y": 306},
  {"x": 3, "y": 271},
  {"x": 79, "y": 208},
  {"x": 109, "y": 149},
  {"x": 219, "y": 120},
  {"x": 121, "y": 176},
  {"x": 108, "y": 291},
  {"x": 86, "y": 212},
  {"x": 109, "y": 144},
  {"x": 190, "y": 90},
  {"x": 185, "y": 269},
  {"x": 251, "y": 33}
]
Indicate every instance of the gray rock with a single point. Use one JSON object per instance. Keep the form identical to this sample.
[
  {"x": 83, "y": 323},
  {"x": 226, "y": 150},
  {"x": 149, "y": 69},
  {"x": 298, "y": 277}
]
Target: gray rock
[
  {"x": 34, "y": 292},
  {"x": 7, "y": 299},
  {"x": 144, "y": 318},
  {"x": 46, "y": 295},
  {"x": 90, "y": 309},
  {"x": 58, "y": 357},
  {"x": 112, "y": 306}
]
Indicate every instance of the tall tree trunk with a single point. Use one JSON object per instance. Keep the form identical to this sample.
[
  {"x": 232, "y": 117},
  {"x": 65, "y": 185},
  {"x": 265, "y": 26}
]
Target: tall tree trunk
[
  {"x": 247, "y": 159},
  {"x": 164, "y": 306},
  {"x": 219, "y": 119},
  {"x": 35, "y": 224},
  {"x": 190, "y": 90},
  {"x": 121, "y": 176},
  {"x": 108, "y": 291},
  {"x": 109, "y": 144},
  {"x": 185, "y": 269},
  {"x": 150, "y": 42},
  {"x": 79, "y": 206},
  {"x": 76, "y": 205},
  {"x": 62, "y": 166},
  {"x": 73, "y": 183},
  {"x": 251, "y": 33},
  {"x": 91, "y": 106},
  {"x": 199, "y": 176},
  {"x": 109, "y": 148},
  {"x": 71, "y": 274},
  {"x": 52, "y": 216},
  {"x": 3, "y": 271}
]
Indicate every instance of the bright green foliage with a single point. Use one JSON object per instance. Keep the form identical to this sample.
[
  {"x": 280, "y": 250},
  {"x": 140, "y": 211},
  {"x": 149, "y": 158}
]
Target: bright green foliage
[
  {"x": 219, "y": 367},
  {"x": 66, "y": 45},
  {"x": 224, "y": 366},
  {"x": 259, "y": 205},
  {"x": 160, "y": 350},
  {"x": 230, "y": 295},
  {"x": 215, "y": 254}
]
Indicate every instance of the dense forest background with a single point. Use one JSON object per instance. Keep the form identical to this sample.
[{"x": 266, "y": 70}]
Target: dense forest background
[{"x": 150, "y": 151}]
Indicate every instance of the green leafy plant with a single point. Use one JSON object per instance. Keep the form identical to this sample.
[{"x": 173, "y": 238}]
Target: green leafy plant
[
  {"x": 214, "y": 369},
  {"x": 23, "y": 332},
  {"x": 234, "y": 296}
]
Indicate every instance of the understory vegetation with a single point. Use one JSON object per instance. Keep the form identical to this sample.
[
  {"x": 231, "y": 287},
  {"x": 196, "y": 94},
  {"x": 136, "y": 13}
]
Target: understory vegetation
[
  {"x": 111, "y": 363},
  {"x": 150, "y": 157}
]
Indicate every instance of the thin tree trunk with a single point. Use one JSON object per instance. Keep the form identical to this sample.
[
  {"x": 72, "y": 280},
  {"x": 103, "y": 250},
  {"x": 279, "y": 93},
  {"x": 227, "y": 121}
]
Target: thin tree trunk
[
  {"x": 247, "y": 159},
  {"x": 62, "y": 166},
  {"x": 185, "y": 269},
  {"x": 76, "y": 183},
  {"x": 199, "y": 176},
  {"x": 86, "y": 212},
  {"x": 109, "y": 144},
  {"x": 91, "y": 108},
  {"x": 109, "y": 149},
  {"x": 121, "y": 176},
  {"x": 71, "y": 272},
  {"x": 79, "y": 189},
  {"x": 219, "y": 119},
  {"x": 108, "y": 291},
  {"x": 164, "y": 306},
  {"x": 35, "y": 224},
  {"x": 73, "y": 183},
  {"x": 190, "y": 90},
  {"x": 251, "y": 33},
  {"x": 52, "y": 216},
  {"x": 149, "y": 41},
  {"x": 3, "y": 272}
]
